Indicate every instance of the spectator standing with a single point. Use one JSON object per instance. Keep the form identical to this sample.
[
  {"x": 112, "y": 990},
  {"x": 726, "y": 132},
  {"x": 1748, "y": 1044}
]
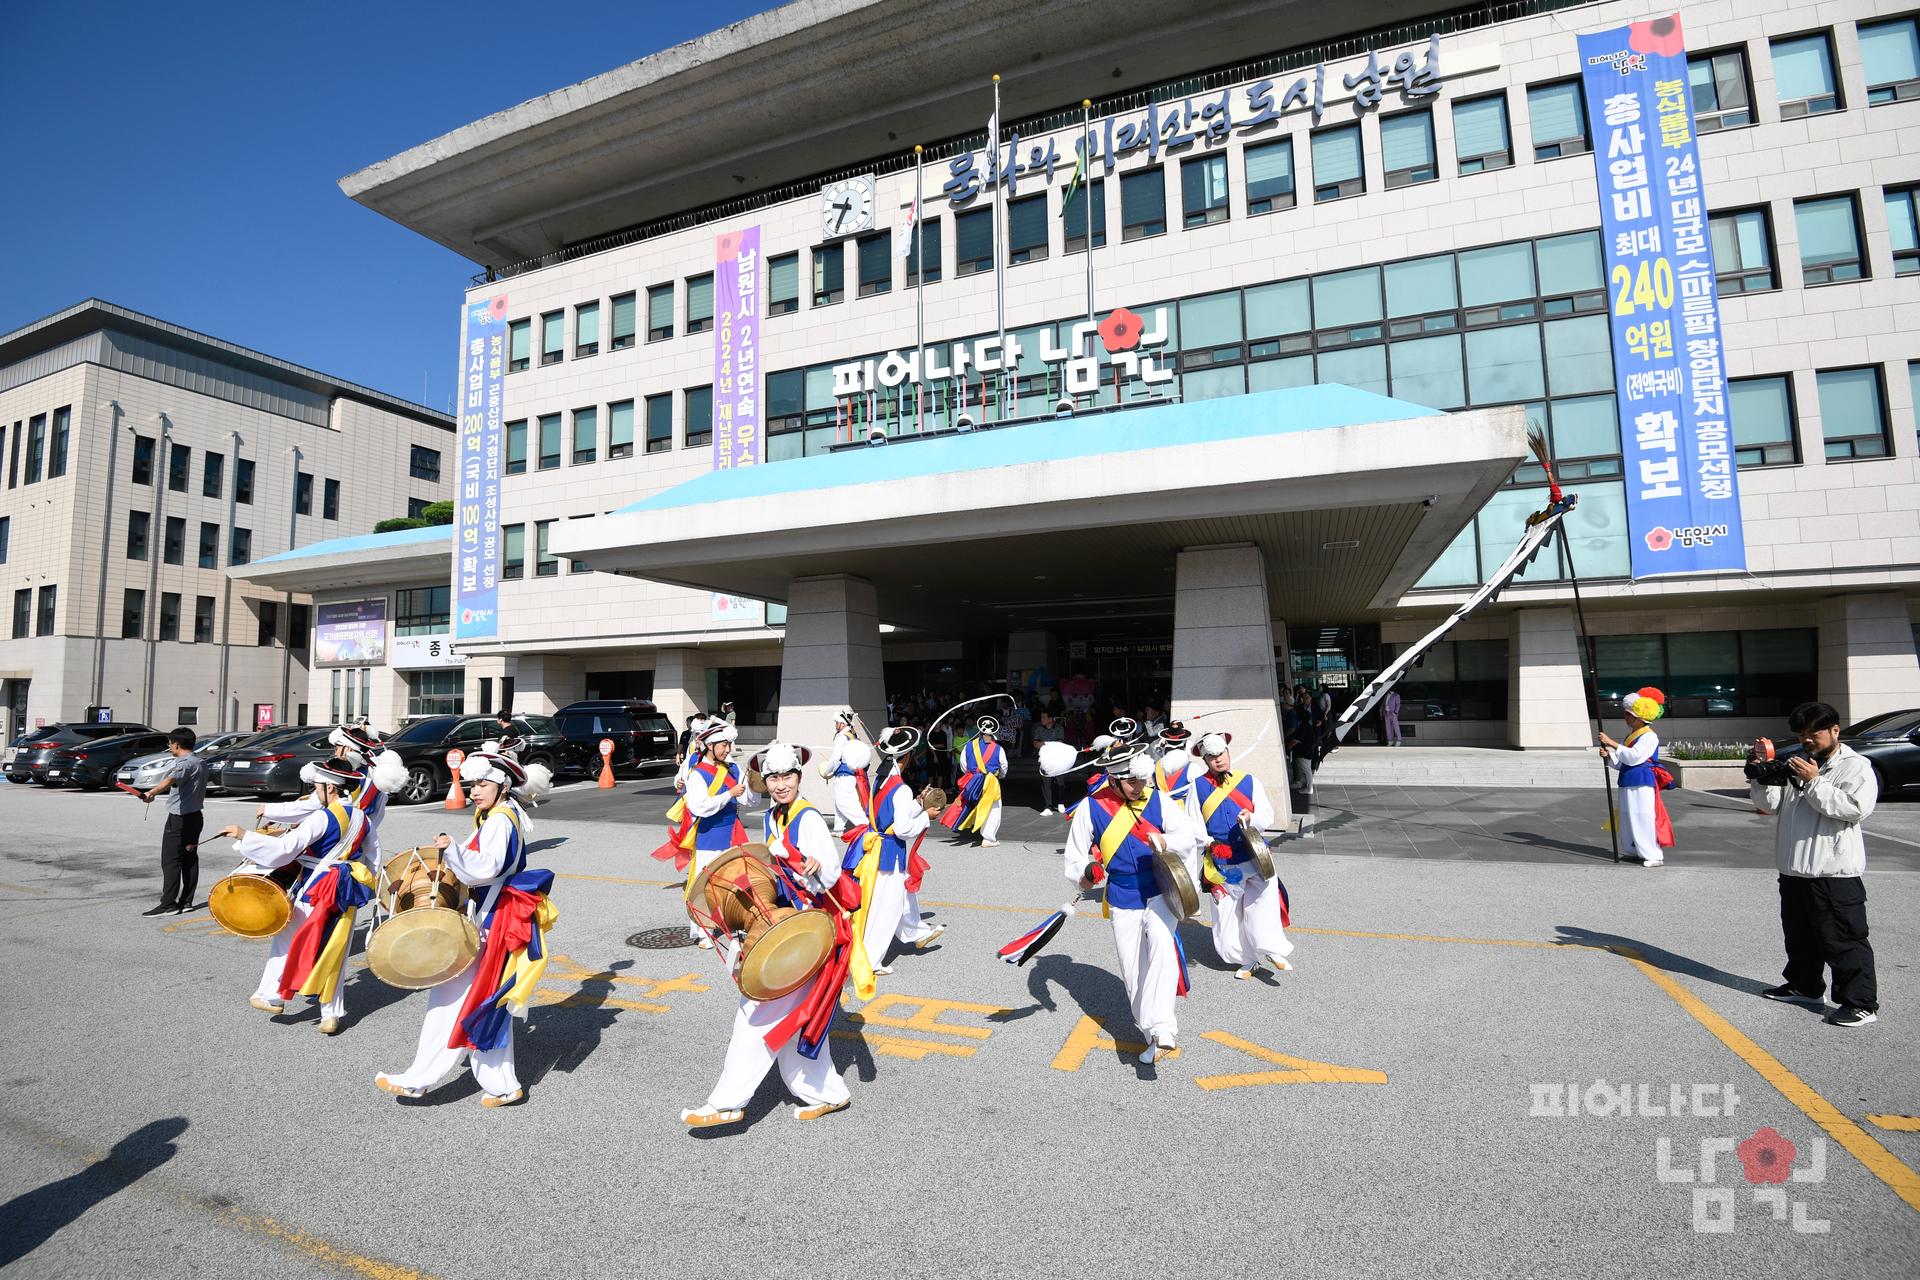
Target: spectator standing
[
  {"x": 186, "y": 791},
  {"x": 1048, "y": 729},
  {"x": 1390, "y": 717}
]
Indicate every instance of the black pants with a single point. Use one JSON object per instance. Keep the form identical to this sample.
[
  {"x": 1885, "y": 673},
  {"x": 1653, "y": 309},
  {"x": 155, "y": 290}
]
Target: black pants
[
  {"x": 1048, "y": 800},
  {"x": 1825, "y": 923},
  {"x": 180, "y": 859}
]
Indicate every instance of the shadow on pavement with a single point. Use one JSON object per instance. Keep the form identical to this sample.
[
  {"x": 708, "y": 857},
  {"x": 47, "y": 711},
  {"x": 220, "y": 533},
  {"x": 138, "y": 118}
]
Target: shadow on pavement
[
  {"x": 33, "y": 1217},
  {"x": 565, "y": 1033},
  {"x": 1533, "y": 840},
  {"x": 1660, "y": 958}
]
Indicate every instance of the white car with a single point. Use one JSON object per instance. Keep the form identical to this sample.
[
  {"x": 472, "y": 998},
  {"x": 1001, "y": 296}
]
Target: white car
[{"x": 149, "y": 771}]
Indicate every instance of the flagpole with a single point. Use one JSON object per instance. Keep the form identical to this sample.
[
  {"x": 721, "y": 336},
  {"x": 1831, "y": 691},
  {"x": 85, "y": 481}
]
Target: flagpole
[
  {"x": 1086, "y": 194},
  {"x": 919, "y": 297},
  {"x": 999, "y": 259}
]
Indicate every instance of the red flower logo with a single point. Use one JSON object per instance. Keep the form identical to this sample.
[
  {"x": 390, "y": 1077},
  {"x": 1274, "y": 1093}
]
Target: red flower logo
[
  {"x": 1660, "y": 37},
  {"x": 1766, "y": 1156},
  {"x": 1659, "y": 539},
  {"x": 497, "y": 308},
  {"x": 727, "y": 247},
  {"x": 1121, "y": 330}
]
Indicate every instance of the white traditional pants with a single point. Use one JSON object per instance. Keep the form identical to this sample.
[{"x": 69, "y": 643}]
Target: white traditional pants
[
  {"x": 885, "y": 920},
  {"x": 811, "y": 1080},
  {"x": 990, "y": 829},
  {"x": 701, "y": 857},
  {"x": 1149, "y": 966},
  {"x": 433, "y": 1061},
  {"x": 913, "y": 926},
  {"x": 269, "y": 988},
  {"x": 1636, "y": 829},
  {"x": 1246, "y": 921},
  {"x": 846, "y": 803}
]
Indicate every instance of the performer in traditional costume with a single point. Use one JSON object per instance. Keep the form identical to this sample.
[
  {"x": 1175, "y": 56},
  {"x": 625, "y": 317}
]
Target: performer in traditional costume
[
  {"x": 883, "y": 854},
  {"x": 792, "y": 1029},
  {"x": 983, "y": 762},
  {"x": 706, "y": 820},
  {"x": 1637, "y": 761},
  {"x": 1250, "y": 912},
  {"x": 696, "y": 725},
  {"x": 470, "y": 1016},
  {"x": 1112, "y": 840},
  {"x": 845, "y": 767},
  {"x": 1174, "y": 767},
  {"x": 308, "y": 957},
  {"x": 384, "y": 773}
]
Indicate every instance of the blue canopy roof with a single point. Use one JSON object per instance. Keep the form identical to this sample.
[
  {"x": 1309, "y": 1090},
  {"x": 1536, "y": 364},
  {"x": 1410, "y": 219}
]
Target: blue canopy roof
[{"x": 368, "y": 542}]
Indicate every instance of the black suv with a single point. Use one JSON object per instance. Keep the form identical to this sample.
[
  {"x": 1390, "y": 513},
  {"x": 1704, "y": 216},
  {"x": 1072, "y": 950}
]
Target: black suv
[
  {"x": 91, "y": 765},
  {"x": 643, "y": 739},
  {"x": 423, "y": 746},
  {"x": 27, "y": 758}
]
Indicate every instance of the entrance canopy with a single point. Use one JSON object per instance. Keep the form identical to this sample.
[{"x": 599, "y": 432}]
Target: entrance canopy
[{"x": 1350, "y": 496}]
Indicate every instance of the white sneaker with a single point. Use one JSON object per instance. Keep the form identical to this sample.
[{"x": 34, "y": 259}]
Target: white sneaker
[
  {"x": 927, "y": 939},
  {"x": 1046, "y": 813},
  {"x": 706, "y": 944},
  {"x": 989, "y": 844},
  {"x": 1657, "y": 862}
]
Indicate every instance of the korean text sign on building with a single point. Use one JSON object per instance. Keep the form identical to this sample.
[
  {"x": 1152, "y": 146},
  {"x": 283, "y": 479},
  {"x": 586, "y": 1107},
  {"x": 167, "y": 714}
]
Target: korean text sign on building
[
  {"x": 736, "y": 349},
  {"x": 476, "y": 506},
  {"x": 1669, "y": 358}
]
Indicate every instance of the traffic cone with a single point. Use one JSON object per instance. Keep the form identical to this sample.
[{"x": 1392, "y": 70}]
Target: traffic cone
[
  {"x": 456, "y": 798},
  {"x": 606, "y": 772}
]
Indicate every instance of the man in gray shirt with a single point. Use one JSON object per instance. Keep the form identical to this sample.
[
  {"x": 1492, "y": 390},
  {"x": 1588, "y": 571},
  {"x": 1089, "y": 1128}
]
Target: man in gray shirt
[{"x": 186, "y": 790}]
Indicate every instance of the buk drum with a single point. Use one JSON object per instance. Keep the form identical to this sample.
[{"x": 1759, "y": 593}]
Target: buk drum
[
  {"x": 427, "y": 937},
  {"x": 1177, "y": 883},
  {"x": 255, "y": 902},
  {"x": 736, "y": 897}
]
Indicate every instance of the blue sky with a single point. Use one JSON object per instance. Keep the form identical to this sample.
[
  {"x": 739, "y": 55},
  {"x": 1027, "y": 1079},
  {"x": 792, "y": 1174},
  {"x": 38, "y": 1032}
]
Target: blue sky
[{"x": 182, "y": 160}]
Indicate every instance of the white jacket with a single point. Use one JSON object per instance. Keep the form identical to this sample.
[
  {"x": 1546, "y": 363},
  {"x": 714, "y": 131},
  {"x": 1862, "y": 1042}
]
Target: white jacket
[{"x": 1818, "y": 832}]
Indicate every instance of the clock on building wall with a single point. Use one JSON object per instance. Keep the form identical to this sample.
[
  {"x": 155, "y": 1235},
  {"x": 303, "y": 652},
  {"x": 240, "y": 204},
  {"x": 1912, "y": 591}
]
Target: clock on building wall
[{"x": 848, "y": 207}]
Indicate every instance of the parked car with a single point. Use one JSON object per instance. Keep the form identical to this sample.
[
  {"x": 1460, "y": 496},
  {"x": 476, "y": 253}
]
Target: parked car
[
  {"x": 219, "y": 759},
  {"x": 27, "y": 758},
  {"x": 148, "y": 771},
  {"x": 643, "y": 739},
  {"x": 1891, "y": 743},
  {"x": 91, "y": 765},
  {"x": 271, "y": 769},
  {"x": 423, "y": 745}
]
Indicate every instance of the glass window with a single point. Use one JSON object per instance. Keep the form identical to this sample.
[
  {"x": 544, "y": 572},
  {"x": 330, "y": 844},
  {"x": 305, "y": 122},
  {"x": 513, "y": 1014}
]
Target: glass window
[
  {"x": 1143, "y": 204},
  {"x": 22, "y": 612},
  {"x": 1278, "y": 311},
  {"x": 586, "y": 329},
  {"x": 549, "y": 441},
  {"x": 436, "y": 693},
  {"x": 1586, "y": 427},
  {"x": 1853, "y": 418},
  {"x": 1718, "y": 83},
  {"x": 830, "y": 273},
  {"x": 553, "y": 337},
  {"x": 1274, "y": 375},
  {"x": 1778, "y": 669},
  {"x": 1903, "y": 227},
  {"x": 173, "y": 549},
  {"x": 545, "y": 563},
  {"x": 203, "y": 619},
  {"x": 36, "y": 445},
  {"x": 700, "y": 303},
  {"x": 417, "y": 508},
  {"x": 973, "y": 242},
  {"x": 1762, "y": 413},
  {"x": 1027, "y": 229},
  {"x": 1362, "y": 368},
  {"x": 620, "y": 429},
  {"x": 1092, "y": 195},
  {"x": 6, "y": 534},
  {"x": 169, "y": 615},
  {"x": 240, "y": 546},
  {"x": 517, "y": 447},
  {"x": 1269, "y": 176},
  {"x": 423, "y": 463},
  {"x": 1803, "y": 75},
  {"x": 1346, "y": 299},
  {"x": 874, "y": 255},
  {"x": 1480, "y": 137},
  {"x": 1829, "y": 240},
  {"x": 624, "y": 316},
  {"x": 1890, "y": 54},
  {"x": 659, "y": 312},
  {"x": 209, "y": 545},
  {"x": 927, "y": 234},
  {"x": 142, "y": 458},
  {"x": 139, "y": 528},
  {"x": 1569, "y": 264},
  {"x": 1210, "y": 327},
  {"x": 660, "y": 423},
  {"x": 1203, "y": 190},
  {"x": 1406, "y": 148},
  {"x": 243, "y": 481},
  {"x": 212, "y": 474},
  {"x": 1502, "y": 273},
  {"x": 57, "y": 445},
  {"x": 1338, "y": 170},
  {"x": 586, "y": 434},
  {"x": 513, "y": 551},
  {"x": 47, "y": 607},
  {"x": 1458, "y": 565},
  {"x": 421, "y": 611},
  {"x": 133, "y": 614},
  {"x": 1503, "y": 365},
  {"x": 1420, "y": 285},
  {"x": 179, "y": 466},
  {"x": 268, "y": 618},
  {"x": 1429, "y": 371},
  {"x": 1579, "y": 355},
  {"x": 302, "y": 493},
  {"x": 1559, "y": 115},
  {"x": 699, "y": 416},
  {"x": 783, "y": 284},
  {"x": 519, "y": 345},
  {"x": 1742, "y": 251}
]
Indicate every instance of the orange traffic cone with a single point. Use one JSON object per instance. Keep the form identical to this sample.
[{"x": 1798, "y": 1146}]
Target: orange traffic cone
[
  {"x": 606, "y": 770},
  {"x": 456, "y": 798}
]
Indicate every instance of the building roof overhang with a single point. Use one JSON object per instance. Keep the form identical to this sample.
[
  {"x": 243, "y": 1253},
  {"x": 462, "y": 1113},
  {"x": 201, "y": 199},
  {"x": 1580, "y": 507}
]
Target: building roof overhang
[{"x": 372, "y": 561}]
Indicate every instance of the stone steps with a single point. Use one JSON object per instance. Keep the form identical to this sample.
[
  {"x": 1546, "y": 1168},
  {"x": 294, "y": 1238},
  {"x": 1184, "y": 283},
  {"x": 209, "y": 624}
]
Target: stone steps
[{"x": 1457, "y": 767}]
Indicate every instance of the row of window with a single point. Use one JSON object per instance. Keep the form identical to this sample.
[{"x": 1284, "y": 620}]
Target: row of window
[
  {"x": 31, "y": 621},
  {"x": 543, "y": 443},
  {"x": 423, "y": 464},
  {"x": 44, "y": 437},
  {"x": 166, "y": 626},
  {"x": 174, "y": 541}
]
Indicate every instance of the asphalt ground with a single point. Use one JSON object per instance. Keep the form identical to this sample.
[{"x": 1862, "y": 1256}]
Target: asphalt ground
[{"x": 1397, "y": 1104}]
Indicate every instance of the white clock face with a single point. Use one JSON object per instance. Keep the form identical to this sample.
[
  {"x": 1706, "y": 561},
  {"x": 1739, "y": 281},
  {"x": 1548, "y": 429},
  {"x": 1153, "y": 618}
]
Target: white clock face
[{"x": 847, "y": 207}]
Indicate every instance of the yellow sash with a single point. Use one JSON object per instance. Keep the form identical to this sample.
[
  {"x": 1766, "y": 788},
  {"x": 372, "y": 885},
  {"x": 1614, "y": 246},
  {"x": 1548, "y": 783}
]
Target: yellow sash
[
  {"x": 976, "y": 819},
  {"x": 719, "y": 784},
  {"x": 1221, "y": 795},
  {"x": 324, "y": 978}
]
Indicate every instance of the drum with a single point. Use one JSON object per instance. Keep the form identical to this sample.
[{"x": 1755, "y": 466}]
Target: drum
[
  {"x": 780, "y": 948},
  {"x": 756, "y": 783},
  {"x": 1176, "y": 883},
  {"x": 254, "y": 902},
  {"x": 427, "y": 938},
  {"x": 932, "y": 799}
]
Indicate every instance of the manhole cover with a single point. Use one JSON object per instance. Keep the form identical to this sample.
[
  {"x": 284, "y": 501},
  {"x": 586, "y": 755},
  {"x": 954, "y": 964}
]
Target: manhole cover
[{"x": 661, "y": 939}]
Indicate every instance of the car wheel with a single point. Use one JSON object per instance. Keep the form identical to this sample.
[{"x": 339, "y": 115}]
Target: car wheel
[
  {"x": 421, "y": 783},
  {"x": 18, "y": 778}
]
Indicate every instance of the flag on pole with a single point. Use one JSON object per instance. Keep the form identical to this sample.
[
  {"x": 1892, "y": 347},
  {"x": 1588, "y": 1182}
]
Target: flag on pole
[
  {"x": 903, "y": 243},
  {"x": 1073, "y": 185}
]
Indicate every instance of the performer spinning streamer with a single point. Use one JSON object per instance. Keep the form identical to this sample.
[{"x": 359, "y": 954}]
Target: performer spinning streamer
[
  {"x": 845, "y": 768},
  {"x": 883, "y": 854},
  {"x": 706, "y": 820},
  {"x": 983, "y": 762},
  {"x": 1250, "y": 912}
]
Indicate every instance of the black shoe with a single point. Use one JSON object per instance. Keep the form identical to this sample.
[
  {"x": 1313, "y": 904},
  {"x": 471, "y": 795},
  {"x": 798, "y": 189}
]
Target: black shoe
[
  {"x": 1788, "y": 994},
  {"x": 164, "y": 909},
  {"x": 183, "y": 908},
  {"x": 1848, "y": 1016}
]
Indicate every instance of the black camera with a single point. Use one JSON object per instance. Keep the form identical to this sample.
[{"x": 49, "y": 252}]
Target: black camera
[{"x": 1767, "y": 772}]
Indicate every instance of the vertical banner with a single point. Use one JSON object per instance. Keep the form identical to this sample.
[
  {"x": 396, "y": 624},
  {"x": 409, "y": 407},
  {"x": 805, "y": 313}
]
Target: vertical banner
[
  {"x": 736, "y": 349},
  {"x": 476, "y": 506},
  {"x": 1669, "y": 367}
]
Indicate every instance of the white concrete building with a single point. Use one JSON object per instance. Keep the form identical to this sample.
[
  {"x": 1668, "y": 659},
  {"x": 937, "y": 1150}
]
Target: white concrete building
[
  {"x": 1438, "y": 249},
  {"x": 142, "y": 460}
]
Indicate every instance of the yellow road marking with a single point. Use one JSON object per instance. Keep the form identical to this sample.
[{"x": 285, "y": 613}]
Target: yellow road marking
[
  {"x": 20, "y": 888},
  {"x": 1297, "y": 1070},
  {"x": 1086, "y": 1036},
  {"x": 1898, "y": 1124},
  {"x": 900, "y": 1046},
  {"x": 927, "y": 1016}
]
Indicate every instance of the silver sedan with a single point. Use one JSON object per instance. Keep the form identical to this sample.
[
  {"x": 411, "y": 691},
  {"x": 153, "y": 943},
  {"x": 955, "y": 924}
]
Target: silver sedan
[{"x": 148, "y": 771}]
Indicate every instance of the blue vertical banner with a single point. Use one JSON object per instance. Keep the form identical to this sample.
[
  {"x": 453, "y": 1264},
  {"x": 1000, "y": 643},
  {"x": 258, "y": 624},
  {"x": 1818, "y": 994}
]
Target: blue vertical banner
[
  {"x": 476, "y": 501},
  {"x": 1669, "y": 366},
  {"x": 736, "y": 349}
]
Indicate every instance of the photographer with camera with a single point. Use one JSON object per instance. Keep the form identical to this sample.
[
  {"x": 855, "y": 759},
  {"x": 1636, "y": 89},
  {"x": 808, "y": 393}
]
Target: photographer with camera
[{"x": 1821, "y": 798}]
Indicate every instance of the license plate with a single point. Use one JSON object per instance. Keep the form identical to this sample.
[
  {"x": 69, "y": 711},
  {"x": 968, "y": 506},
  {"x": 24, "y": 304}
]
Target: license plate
[{"x": 53, "y": 773}]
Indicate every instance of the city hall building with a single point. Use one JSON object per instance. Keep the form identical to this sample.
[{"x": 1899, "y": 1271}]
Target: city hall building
[{"x": 1241, "y": 400}]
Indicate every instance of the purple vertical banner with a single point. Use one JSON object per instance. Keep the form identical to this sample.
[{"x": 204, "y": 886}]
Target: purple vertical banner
[
  {"x": 736, "y": 349},
  {"x": 476, "y": 499}
]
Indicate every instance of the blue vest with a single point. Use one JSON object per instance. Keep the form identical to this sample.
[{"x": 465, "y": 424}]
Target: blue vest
[
  {"x": 1224, "y": 826},
  {"x": 1641, "y": 775},
  {"x": 716, "y": 830},
  {"x": 1131, "y": 879}
]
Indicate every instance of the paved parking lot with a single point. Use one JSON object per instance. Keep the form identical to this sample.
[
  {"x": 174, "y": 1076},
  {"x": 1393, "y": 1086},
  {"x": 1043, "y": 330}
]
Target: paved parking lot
[{"x": 1400, "y": 1102}]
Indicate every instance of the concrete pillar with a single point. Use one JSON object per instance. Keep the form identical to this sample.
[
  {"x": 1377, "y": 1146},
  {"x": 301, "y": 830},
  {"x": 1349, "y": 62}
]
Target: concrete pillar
[
  {"x": 481, "y": 666},
  {"x": 1867, "y": 662},
  {"x": 1223, "y": 659},
  {"x": 830, "y": 660},
  {"x": 680, "y": 684},
  {"x": 545, "y": 683},
  {"x": 1546, "y": 681}
]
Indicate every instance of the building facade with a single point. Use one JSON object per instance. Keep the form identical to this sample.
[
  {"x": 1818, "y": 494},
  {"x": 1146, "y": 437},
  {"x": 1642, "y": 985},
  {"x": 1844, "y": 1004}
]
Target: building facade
[
  {"x": 1421, "y": 222},
  {"x": 142, "y": 461}
]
